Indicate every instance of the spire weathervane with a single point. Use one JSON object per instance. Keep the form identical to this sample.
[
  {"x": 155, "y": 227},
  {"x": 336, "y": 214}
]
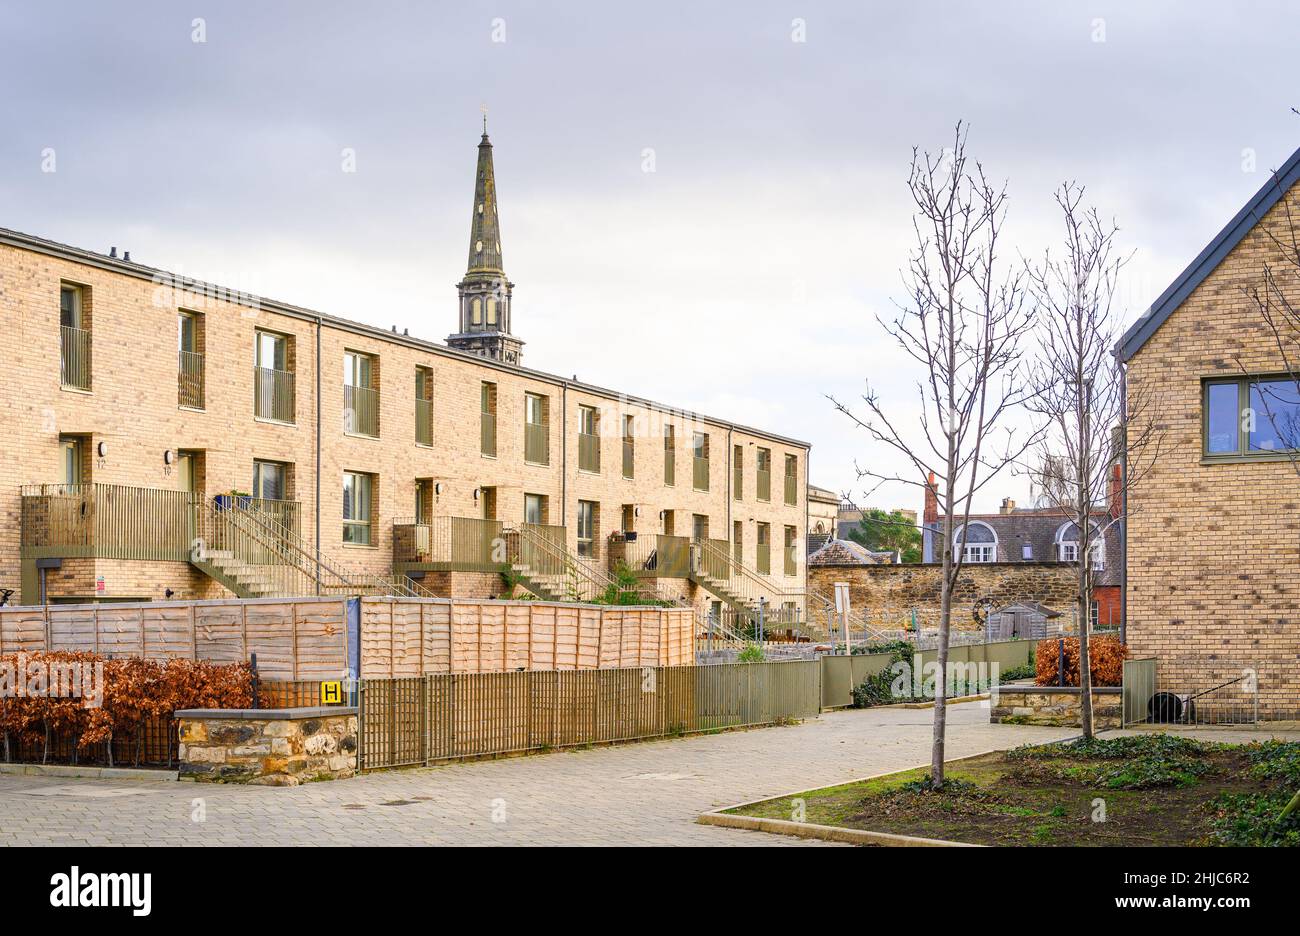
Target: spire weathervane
[{"x": 483, "y": 108}]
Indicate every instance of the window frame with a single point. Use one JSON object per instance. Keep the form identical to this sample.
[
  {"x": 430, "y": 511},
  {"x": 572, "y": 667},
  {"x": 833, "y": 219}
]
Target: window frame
[
  {"x": 972, "y": 552},
  {"x": 368, "y": 522},
  {"x": 1243, "y": 451}
]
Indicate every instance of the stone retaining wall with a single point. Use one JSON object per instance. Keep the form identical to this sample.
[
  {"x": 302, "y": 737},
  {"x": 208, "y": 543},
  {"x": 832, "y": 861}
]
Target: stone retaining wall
[
  {"x": 1057, "y": 706},
  {"x": 272, "y": 747}
]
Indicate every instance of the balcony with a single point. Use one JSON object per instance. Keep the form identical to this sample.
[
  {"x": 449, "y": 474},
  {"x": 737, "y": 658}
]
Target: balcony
[
  {"x": 361, "y": 411},
  {"x": 764, "y": 485},
  {"x": 74, "y": 358},
  {"x": 700, "y": 473},
  {"x": 537, "y": 443},
  {"x": 791, "y": 490},
  {"x": 589, "y": 452},
  {"x": 447, "y": 544},
  {"x": 117, "y": 521},
  {"x": 657, "y": 555},
  {"x": 791, "y": 566},
  {"x": 189, "y": 380},
  {"x": 488, "y": 434},
  {"x": 670, "y": 466},
  {"x": 423, "y": 422},
  {"x": 629, "y": 459},
  {"x": 273, "y": 394},
  {"x": 763, "y": 558}
]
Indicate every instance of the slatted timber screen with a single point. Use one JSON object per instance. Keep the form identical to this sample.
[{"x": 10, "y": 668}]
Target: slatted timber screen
[
  {"x": 413, "y": 720},
  {"x": 294, "y": 639},
  {"x": 413, "y": 636}
]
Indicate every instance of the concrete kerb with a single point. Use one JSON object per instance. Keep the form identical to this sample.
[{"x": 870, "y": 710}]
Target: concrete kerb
[{"x": 87, "y": 773}]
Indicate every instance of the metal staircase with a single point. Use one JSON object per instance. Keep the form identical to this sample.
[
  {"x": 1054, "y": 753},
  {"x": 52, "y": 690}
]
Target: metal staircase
[
  {"x": 255, "y": 556},
  {"x": 540, "y": 559},
  {"x": 714, "y": 568}
]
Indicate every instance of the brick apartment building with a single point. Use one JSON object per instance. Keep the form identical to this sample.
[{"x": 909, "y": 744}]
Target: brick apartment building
[
  {"x": 269, "y": 448},
  {"x": 1213, "y": 557}
]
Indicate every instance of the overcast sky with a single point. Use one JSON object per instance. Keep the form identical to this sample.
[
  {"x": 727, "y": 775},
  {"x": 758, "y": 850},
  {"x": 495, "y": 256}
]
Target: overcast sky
[{"x": 741, "y": 276}]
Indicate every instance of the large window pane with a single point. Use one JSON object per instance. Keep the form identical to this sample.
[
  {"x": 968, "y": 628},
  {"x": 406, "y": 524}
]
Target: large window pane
[
  {"x": 1275, "y": 409},
  {"x": 356, "y": 508},
  {"x": 1221, "y": 418}
]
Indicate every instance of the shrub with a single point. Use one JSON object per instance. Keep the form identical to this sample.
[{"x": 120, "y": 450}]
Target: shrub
[
  {"x": 1106, "y": 661},
  {"x": 752, "y": 653},
  {"x": 133, "y": 692},
  {"x": 878, "y": 689}
]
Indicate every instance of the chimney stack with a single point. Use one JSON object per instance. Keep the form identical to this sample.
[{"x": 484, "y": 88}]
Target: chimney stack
[
  {"x": 1008, "y": 505},
  {"x": 931, "y": 513}
]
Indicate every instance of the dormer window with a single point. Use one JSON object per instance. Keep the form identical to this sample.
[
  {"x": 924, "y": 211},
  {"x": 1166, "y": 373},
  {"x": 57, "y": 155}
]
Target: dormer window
[
  {"x": 977, "y": 543},
  {"x": 1067, "y": 545}
]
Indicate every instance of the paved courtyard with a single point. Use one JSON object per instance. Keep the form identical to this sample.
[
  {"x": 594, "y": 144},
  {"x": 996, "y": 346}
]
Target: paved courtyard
[{"x": 636, "y": 794}]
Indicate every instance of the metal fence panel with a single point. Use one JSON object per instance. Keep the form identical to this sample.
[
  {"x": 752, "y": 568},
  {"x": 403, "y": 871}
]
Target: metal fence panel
[
  {"x": 418, "y": 720},
  {"x": 1139, "y": 685}
]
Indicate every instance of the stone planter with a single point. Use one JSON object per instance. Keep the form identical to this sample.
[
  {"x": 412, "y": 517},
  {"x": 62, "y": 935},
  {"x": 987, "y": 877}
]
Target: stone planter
[
  {"x": 1057, "y": 706},
  {"x": 273, "y": 747}
]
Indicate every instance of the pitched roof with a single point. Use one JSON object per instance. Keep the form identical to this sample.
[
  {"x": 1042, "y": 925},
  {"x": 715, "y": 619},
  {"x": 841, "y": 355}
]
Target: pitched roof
[
  {"x": 845, "y": 552},
  {"x": 1209, "y": 258}
]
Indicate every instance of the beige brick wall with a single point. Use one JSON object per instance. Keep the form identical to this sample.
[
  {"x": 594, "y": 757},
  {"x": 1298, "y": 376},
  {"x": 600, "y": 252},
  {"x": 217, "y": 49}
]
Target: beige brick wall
[
  {"x": 1213, "y": 548},
  {"x": 133, "y": 408}
]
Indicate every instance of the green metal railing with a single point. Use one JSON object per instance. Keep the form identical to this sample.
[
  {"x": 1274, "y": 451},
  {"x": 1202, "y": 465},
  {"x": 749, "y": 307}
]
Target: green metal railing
[
  {"x": 764, "y": 485},
  {"x": 629, "y": 458},
  {"x": 423, "y": 421},
  {"x": 189, "y": 380},
  {"x": 110, "y": 521},
  {"x": 763, "y": 558},
  {"x": 657, "y": 555},
  {"x": 700, "y": 474},
  {"x": 670, "y": 465},
  {"x": 460, "y": 544},
  {"x": 488, "y": 433},
  {"x": 738, "y": 481},
  {"x": 537, "y": 443},
  {"x": 361, "y": 411},
  {"x": 588, "y": 452},
  {"x": 74, "y": 357},
  {"x": 791, "y": 490},
  {"x": 273, "y": 394},
  {"x": 791, "y": 563}
]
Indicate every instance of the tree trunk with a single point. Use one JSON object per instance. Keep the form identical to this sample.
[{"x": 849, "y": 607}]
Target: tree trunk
[
  {"x": 941, "y": 683},
  {"x": 1085, "y": 657}
]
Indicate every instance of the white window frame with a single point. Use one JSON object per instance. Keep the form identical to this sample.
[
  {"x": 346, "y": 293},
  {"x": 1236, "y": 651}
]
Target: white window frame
[
  {"x": 1068, "y": 550},
  {"x": 976, "y": 552}
]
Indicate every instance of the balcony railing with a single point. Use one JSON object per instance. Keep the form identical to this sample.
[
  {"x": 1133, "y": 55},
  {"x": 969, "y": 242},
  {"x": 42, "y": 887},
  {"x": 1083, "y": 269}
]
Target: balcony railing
[
  {"x": 738, "y": 481},
  {"x": 791, "y": 490},
  {"x": 361, "y": 411},
  {"x": 588, "y": 452},
  {"x": 764, "y": 485},
  {"x": 488, "y": 433},
  {"x": 110, "y": 521},
  {"x": 273, "y": 394},
  {"x": 629, "y": 458},
  {"x": 189, "y": 380},
  {"x": 653, "y": 555},
  {"x": 460, "y": 544},
  {"x": 670, "y": 466},
  {"x": 763, "y": 558},
  {"x": 423, "y": 421},
  {"x": 791, "y": 567},
  {"x": 700, "y": 476},
  {"x": 537, "y": 443},
  {"x": 74, "y": 357}
]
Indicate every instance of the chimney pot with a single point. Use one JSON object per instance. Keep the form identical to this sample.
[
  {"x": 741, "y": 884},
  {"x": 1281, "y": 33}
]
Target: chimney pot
[{"x": 112, "y": 252}]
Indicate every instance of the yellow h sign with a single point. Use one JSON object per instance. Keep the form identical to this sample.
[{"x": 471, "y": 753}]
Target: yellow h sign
[{"x": 331, "y": 693}]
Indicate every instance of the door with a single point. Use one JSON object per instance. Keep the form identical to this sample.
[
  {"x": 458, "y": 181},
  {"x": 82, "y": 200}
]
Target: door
[
  {"x": 533, "y": 512},
  {"x": 72, "y": 460}
]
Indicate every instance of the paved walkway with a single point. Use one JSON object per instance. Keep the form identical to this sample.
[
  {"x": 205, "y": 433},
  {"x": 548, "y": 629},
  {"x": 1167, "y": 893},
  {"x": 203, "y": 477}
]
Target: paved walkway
[{"x": 646, "y": 793}]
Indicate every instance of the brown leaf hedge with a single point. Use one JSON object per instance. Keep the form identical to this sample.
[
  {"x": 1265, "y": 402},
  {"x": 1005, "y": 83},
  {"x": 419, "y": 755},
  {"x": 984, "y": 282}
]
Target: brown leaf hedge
[
  {"x": 1106, "y": 657},
  {"x": 134, "y": 691}
]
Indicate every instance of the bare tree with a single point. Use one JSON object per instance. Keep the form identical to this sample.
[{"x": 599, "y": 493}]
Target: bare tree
[
  {"x": 963, "y": 323},
  {"x": 1090, "y": 448}
]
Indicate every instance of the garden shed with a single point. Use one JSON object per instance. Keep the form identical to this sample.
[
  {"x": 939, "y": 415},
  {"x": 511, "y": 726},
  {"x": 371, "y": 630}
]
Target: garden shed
[{"x": 1023, "y": 619}]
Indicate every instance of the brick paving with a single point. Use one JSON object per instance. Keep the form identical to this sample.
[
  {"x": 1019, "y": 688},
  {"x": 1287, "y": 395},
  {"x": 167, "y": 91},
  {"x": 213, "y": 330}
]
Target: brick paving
[{"x": 636, "y": 794}]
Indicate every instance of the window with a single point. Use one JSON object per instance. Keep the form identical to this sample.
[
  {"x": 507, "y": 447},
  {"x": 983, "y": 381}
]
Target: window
[
  {"x": 629, "y": 518},
  {"x": 791, "y": 560},
  {"x": 629, "y": 446},
  {"x": 763, "y": 549},
  {"x": 424, "y": 502},
  {"x": 1067, "y": 545},
  {"x": 270, "y": 480},
  {"x": 273, "y": 381},
  {"x": 700, "y": 475},
  {"x": 423, "y": 406},
  {"x": 476, "y": 312},
  {"x": 764, "y": 474},
  {"x": 791, "y": 480},
  {"x": 488, "y": 419},
  {"x": 670, "y": 522},
  {"x": 588, "y": 516},
  {"x": 358, "y": 503},
  {"x": 74, "y": 338},
  {"x": 738, "y": 472},
  {"x": 535, "y": 509},
  {"x": 670, "y": 455},
  {"x": 700, "y": 527},
  {"x": 360, "y": 398},
  {"x": 1251, "y": 416},
  {"x": 979, "y": 542},
  {"x": 189, "y": 373},
  {"x": 588, "y": 439},
  {"x": 737, "y": 542},
  {"x": 537, "y": 442}
]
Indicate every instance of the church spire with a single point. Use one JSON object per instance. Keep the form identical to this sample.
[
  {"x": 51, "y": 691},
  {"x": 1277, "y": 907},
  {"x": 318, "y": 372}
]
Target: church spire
[{"x": 485, "y": 292}]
